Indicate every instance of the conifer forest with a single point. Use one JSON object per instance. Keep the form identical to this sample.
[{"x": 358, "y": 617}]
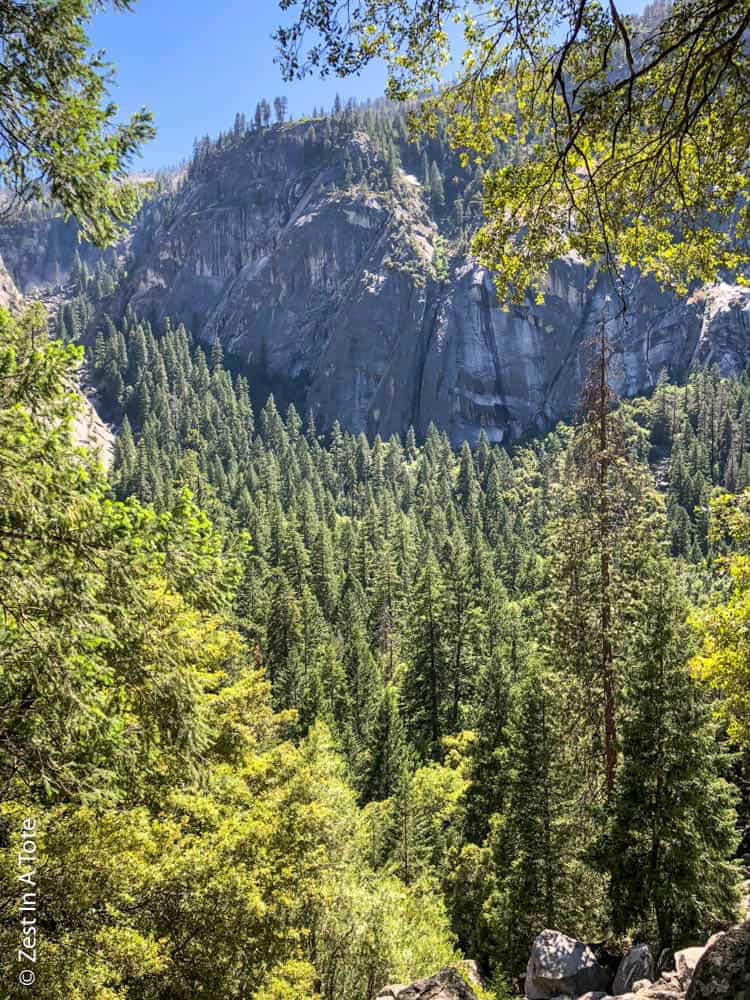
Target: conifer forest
[{"x": 375, "y": 514}]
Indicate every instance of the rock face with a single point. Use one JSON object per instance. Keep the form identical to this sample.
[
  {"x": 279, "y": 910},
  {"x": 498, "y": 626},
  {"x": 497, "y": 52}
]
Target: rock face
[
  {"x": 723, "y": 971},
  {"x": 39, "y": 253},
  {"x": 271, "y": 252},
  {"x": 445, "y": 985},
  {"x": 561, "y": 965},
  {"x": 10, "y": 297},
  {"x": 685, "y": 962},
  {"x": 341, "y": 293},
  {"x": 89, "y": 429},
  {"x": 637, "y": 965}
]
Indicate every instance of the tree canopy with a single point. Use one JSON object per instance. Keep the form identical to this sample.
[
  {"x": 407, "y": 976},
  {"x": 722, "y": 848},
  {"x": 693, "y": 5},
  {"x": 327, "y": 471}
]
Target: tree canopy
[
  {"x": 626, "y": 138},
  {"x": 59, "y": 139}
]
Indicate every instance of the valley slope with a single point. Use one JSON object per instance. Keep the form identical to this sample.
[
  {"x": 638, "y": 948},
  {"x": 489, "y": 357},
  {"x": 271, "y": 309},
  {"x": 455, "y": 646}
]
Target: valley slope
[{"x": 312, "y": 252}]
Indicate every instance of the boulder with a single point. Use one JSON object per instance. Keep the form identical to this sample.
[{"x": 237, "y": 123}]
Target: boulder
[
  {"x": 723, "y": 971},
  {"x": 470, "y": 970},
  {"x": 685, "y": 962},
  {"x": 447, "y": 984},
  {"x": 560, "y": 965},
  {"x": 671, "y": 979},
  {"x": 660, "y": 991},
  {"x": 666, "y": 961},
  {"x": 637, "y": 964}
]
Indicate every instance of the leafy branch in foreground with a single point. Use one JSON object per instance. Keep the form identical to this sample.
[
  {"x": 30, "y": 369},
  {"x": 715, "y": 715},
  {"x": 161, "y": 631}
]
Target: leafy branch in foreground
[
  {"x": 627, "y": 136},
  {"x": 58, "y": 137},
  {"x": 724, "y": 659}
]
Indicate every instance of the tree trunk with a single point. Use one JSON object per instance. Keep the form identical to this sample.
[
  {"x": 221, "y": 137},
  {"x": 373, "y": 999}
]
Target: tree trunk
[{"x": 606, "y": 656}]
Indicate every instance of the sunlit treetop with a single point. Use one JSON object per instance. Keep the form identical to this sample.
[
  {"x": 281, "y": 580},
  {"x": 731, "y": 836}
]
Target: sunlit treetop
[
  {"x": 58, "y": 137},
  {"x": 623, "y": 139}
]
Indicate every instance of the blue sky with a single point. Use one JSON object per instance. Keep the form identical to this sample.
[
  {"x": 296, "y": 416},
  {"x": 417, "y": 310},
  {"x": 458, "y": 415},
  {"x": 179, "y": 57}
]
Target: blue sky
[{"x": 194, "y": 64}]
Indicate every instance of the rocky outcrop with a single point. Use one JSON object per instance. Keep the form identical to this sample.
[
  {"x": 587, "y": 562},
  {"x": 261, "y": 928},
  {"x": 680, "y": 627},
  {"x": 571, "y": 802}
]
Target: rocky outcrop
[
  {"x": 336, "y": 287},
  {"x": 637, "y": 965},
  {"x": 561, "y": 965},
  {"x": 723, "y": 971},
  {"x": 341, "y": 292},
  {"x": 445, "y": 985},
  {"x": 89, "y": 428},
  {"x": 718, "y": 971},
  {"x": 10, "y": 297},
  {"x": 39, "y": 252},
  {"x": 685, "y": 962}
]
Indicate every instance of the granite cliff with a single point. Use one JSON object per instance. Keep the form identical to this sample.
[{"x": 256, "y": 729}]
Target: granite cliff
[{"x": 349, "y": 285}]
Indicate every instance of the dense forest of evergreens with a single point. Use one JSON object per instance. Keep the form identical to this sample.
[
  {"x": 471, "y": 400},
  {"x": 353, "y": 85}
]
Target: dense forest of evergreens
[
  {"x": 441, "y": 613},
  {"x": 360, "y": 721},
  {"x": 291, "y": 714},
  {"x": 388, "y": 702}
]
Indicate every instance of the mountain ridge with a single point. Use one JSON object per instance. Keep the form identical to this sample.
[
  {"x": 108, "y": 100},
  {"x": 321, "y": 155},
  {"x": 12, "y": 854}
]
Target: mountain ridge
[{"x": 311, "y": 251}]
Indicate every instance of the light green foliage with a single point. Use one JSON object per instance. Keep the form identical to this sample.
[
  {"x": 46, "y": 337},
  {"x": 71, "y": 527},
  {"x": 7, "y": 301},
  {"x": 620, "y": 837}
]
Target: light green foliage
[
  {"x": 79, "y": 572},
  {"x": 59, "y": 137},
  {"x": 724, "y": 659},
  {"x": 378, "y": 568},
  {"x": 624, "y": 138},
  {"x": 187, "y": 848}
]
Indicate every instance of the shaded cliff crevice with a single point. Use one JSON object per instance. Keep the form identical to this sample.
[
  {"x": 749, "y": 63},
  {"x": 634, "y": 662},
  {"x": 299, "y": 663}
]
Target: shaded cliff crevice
[
  {"x": 488, "y": 333},
  {"x": 424, "y": 343}
]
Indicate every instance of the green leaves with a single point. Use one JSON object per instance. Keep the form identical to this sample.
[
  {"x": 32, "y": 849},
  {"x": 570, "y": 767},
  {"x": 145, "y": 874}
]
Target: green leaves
[
  {"x": 724, "y": 659},
  {"x": 58, "y": 135},
  {"x": 186, "y": 849},
  {"x": 626, "y": 137},
  {"x": 107, "y": 612}
]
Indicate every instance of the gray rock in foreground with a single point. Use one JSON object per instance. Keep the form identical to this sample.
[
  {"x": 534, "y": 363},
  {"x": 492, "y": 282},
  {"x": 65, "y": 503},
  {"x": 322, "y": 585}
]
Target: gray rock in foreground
[
  {"x": 685, "y": 962},
  {"x": 444, "y": 985},
  {"x": 560, "y": 965},
  {"x": 638, "y": 964},
  {"x": 723, "y": 971}
]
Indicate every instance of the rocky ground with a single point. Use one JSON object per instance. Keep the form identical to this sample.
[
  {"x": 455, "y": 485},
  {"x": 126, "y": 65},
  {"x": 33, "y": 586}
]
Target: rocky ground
[
  {"x": 89, "y": 429},
  {"x": 561, "y": 968}
]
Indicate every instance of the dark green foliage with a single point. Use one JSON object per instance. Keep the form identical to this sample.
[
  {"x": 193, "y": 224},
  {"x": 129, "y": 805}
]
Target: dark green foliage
[
  {"x": 672, "y": 825},
  {"x": 60, "y": 140},
  {"x": 439, "y": 612}
]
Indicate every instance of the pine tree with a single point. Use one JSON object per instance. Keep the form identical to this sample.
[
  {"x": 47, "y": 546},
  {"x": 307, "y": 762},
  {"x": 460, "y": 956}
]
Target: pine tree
[
  {"x": 465, "y": 628},
  {"x": 437, "y": 191},
  {"x": 283, "y": 641},
  {"x": 603, "y": 507},
  {"x": 216, "y": 363},
  {"x": 426, "y": 175},
  {"x": 672, "y": 832},
  {"x": 384, "y": 761},
  {"x": 424, "y": 683},
  {"x": 323, "y": 570},
  {"x": 124, "y": 456},
  {"x": 466, "y": 484}
]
